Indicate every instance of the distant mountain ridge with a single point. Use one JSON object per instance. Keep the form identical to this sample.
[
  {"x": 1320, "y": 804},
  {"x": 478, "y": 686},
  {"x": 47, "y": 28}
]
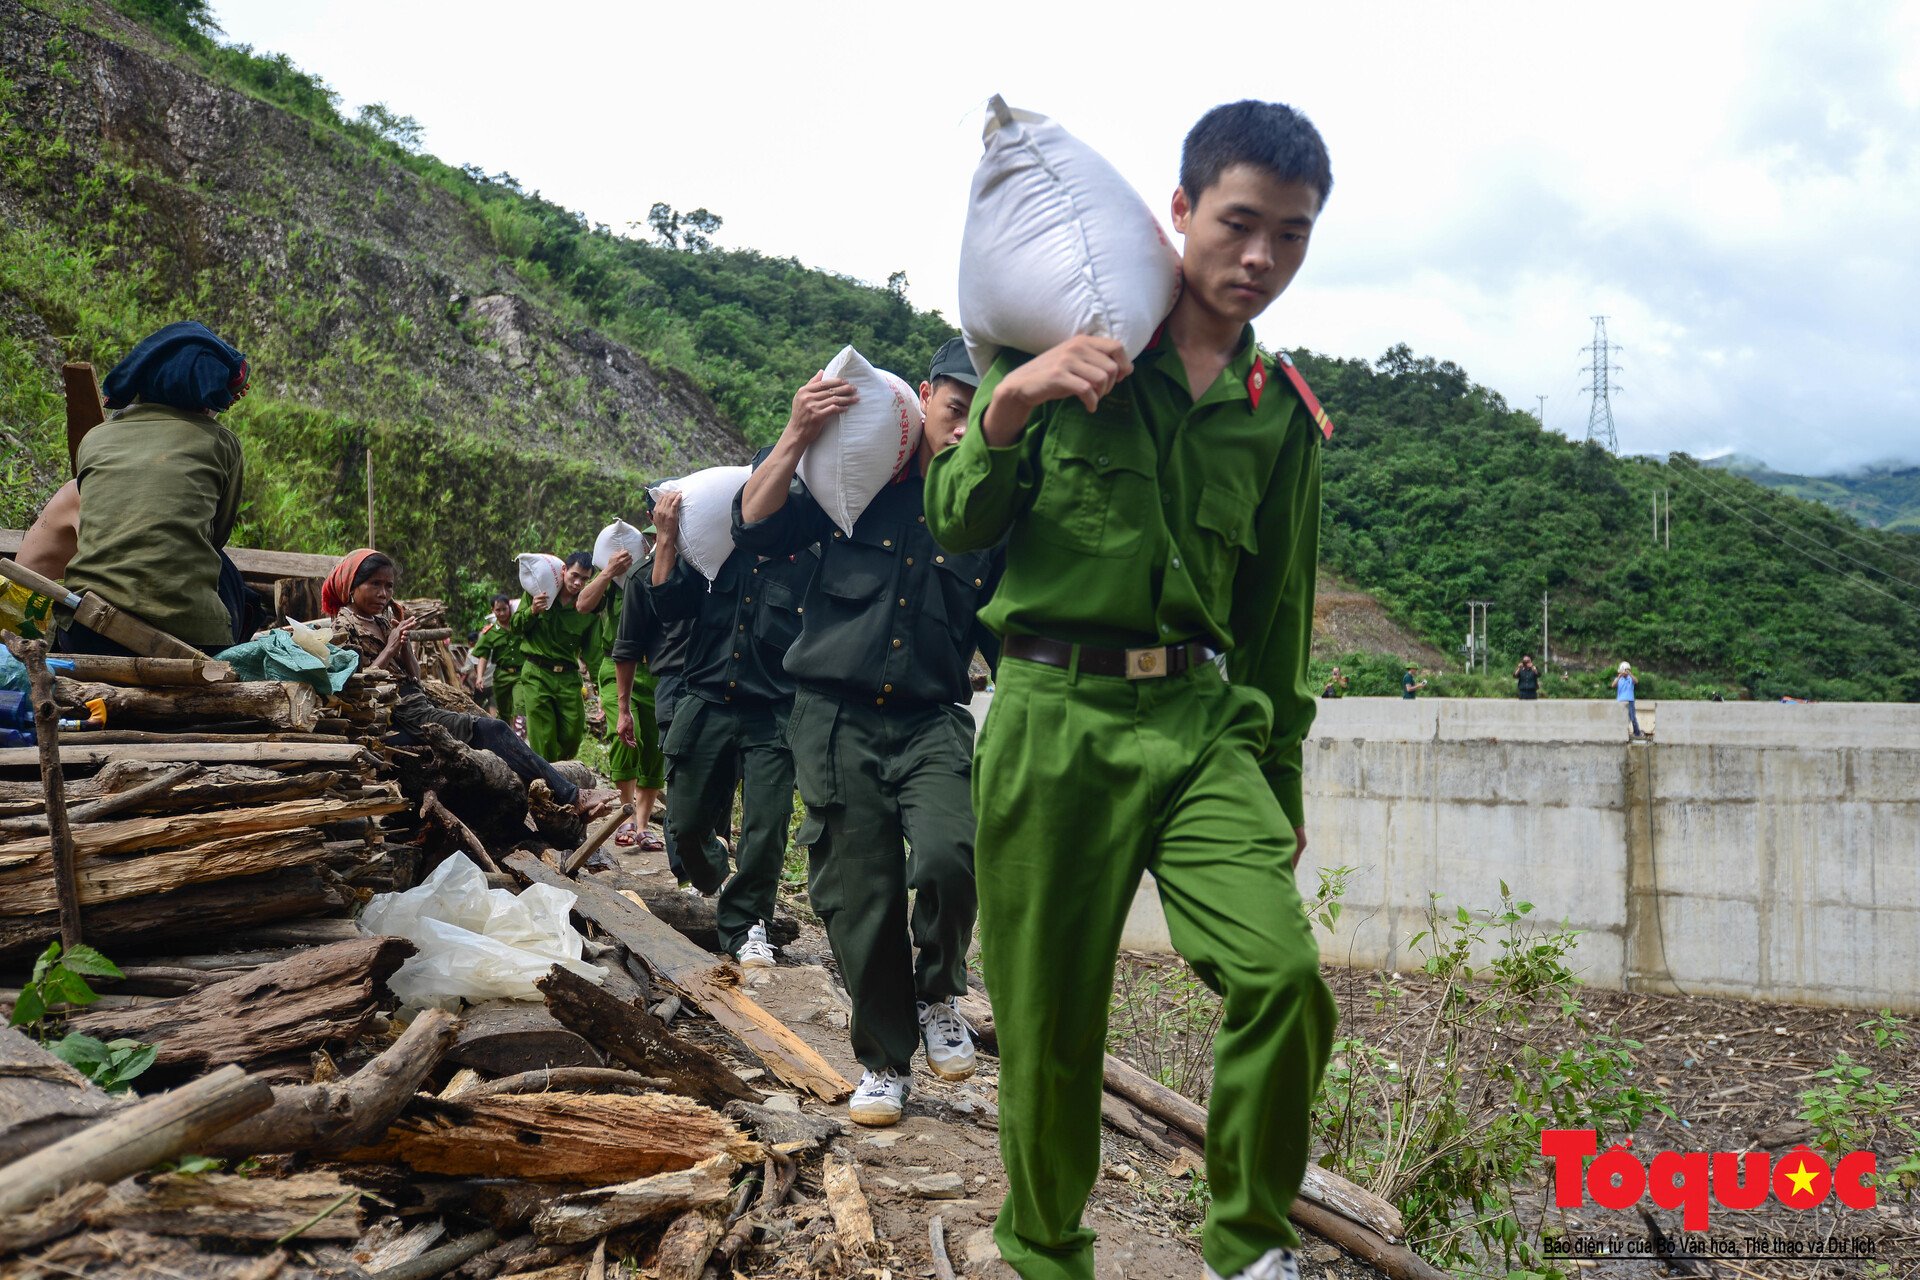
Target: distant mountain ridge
[{"x": 1886, "y": 497}]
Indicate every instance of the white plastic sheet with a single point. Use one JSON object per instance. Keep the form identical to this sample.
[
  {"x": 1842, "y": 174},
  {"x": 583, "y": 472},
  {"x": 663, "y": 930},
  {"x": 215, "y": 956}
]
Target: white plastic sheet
[{"x": 477, "y": 943}]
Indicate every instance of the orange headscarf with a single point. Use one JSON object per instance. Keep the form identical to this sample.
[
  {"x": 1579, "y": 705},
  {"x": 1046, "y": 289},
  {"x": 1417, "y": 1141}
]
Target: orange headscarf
[{"x": 336, "y": 593}]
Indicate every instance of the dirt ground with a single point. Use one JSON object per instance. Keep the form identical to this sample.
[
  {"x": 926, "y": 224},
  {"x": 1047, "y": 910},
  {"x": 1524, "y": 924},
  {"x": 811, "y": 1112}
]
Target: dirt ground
[{"x": 1731, "y": 1070}]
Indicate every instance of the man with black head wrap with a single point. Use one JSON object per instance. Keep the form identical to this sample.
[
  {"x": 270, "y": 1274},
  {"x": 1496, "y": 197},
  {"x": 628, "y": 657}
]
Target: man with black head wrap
[{"x": 160, "y": 487}]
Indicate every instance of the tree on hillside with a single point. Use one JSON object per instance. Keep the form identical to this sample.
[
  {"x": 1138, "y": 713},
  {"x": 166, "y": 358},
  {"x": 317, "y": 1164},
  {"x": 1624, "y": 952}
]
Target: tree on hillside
[
  {"x": 676, "y": 230},
  {"x": 383, "y": 122}
]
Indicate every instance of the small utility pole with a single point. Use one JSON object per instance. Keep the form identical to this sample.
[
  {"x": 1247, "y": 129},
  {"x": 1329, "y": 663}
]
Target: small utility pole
[
  {"x": 1543, "y": 410},
  {"x": 1669, "y": 523},
  {"x": 1656, "y": 519},
  {"x": 370, "y": 541},
  {"x": 1546, "y": 655},
  {"x": 1477, "y": 633}
]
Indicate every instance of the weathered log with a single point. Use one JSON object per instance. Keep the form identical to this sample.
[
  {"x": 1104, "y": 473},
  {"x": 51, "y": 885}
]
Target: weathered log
[
  {"x": 195, "y": 912},
  {"x": 784, "y": 1128},
  {"x": 292, "y": 1006},
  {"x": 501, "y": 1037},
  {"x": 628, "y": 1033},
  {"x": 105, "y": 878},
  {"x": 852, "y": 1219},
  {"x": 233, "y": 1207},
  {"x": 76, "y": 755},
  {"x": 42, "y": 1099},
  {"x": 50, "y": 1219},
  {"x": 686, "y": 1245},
  {"x": 294, "y": 933},
  {"x": 430, "y": 807},
  {"x": 131, "y": 835},
  {"x": 279, "y": 704},
  {"x": 581, "y": 1217},
  {"x": 132, "y": 798},
  {"x": 561, "y": 1079},
  {"x": 151, "y": 672},
  {"x": 592, "y": 1138},
  {"x": 344, "y": 1113},
  {"x": 1395, "y": 1261},
  {"x": 439, "y": 1261},
  {"x": 694, "y": 972},
  {"x": 135, "y": 1138}
]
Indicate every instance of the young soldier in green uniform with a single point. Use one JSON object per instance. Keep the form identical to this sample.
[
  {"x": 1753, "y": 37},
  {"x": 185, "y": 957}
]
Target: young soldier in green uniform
[
  {"x": 882, "y": 740},
  {"x": 499, "y": 647},
  {"x": 730, "y": 727},
  {"x": 637, "y": 769},
  {"x": 554, "y": 634},
  {"x": 1158, "y": 513}
]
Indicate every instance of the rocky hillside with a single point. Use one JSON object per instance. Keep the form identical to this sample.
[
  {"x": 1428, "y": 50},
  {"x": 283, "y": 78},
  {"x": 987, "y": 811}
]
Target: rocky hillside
[{"x": 376, "y": 306}]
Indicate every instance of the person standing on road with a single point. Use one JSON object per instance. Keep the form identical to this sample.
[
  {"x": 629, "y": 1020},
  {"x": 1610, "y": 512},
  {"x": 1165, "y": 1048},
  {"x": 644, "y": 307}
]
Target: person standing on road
[
  {"x": 1336, "y": 686},
  {"x": 881, "y": 735},
  {"x": 1157, "y": 513},
  {"x": 498, "y": 650},
  {"x": 1624, "y": 688},
  {"x": 554, "y": 633},
  {"x": 1526, "y": 678}
]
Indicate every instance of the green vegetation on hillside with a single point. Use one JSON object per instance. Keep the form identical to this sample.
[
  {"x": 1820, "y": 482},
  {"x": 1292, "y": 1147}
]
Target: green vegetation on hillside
[
  {"x": 1882, "y": 497},
  {"x": 1437, "y": 493}
]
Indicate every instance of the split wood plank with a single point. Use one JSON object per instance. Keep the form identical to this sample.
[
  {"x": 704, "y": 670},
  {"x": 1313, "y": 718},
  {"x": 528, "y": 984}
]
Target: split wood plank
[
  {"x": 194, "y": 912},
  {"x": 698, "y": 975},
  {"x": 852, "y": 1218},
  {"x": 76, "y": 754},
  {"x": 234, "y": 1207},
  {"x": 134, "y": 834},
  {"x": 104, "y": 878},
  {"x": 585, "y": 1215},
  {"x": 126, "y": 1141},
  {"x": 279, "y": 704},
  {"x": 291, "y": 1006},
  {"x": 629, "y": 1033},
  {"x": 344, "y": 1113},
  {"x": 152, "y": 673},
  {"x": 592, "y": 1138},
  {"x": 595, "y": 838}
]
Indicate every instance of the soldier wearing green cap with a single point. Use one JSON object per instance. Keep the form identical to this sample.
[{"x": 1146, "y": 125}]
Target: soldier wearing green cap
[
  {"x": 882, "y": 740},
  {"x": 1159, "y": 512},
  {"x": 499, "y": 648}
]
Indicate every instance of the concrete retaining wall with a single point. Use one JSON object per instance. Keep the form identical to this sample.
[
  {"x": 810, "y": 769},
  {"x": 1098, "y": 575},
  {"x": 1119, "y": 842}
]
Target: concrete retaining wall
[{"x": 1763, "y": 850}]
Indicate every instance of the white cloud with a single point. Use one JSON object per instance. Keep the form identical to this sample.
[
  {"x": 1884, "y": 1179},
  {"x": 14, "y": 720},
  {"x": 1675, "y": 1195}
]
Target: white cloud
[{"x": 1733, "y": 184}]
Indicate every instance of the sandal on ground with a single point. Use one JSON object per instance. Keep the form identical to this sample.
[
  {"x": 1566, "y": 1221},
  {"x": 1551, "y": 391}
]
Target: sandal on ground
[
  {"x": 625, "y": 836},
  {"x": 651, "y": 843}
]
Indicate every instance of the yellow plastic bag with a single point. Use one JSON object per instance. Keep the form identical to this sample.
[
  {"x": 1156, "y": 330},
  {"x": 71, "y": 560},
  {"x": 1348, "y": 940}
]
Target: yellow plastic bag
[{"x": 27, "y": 614}]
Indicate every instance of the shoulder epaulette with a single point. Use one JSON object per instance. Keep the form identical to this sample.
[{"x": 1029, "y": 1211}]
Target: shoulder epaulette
[{"x": 1307, "y": 397}]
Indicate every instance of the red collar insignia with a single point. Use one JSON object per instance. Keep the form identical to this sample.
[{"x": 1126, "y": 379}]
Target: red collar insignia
[
  {"x": 1257, "y": 380},
  {"x": 1307, "y": 397}
]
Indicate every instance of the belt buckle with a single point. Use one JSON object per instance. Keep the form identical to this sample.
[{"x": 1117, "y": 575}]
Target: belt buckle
[{"x": 1147, "y": 664}]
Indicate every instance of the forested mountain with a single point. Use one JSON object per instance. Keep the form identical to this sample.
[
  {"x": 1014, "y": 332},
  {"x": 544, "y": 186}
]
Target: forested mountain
[
  {"x": 518, "y": 373},
  {"x": 1885, "y": 497}
]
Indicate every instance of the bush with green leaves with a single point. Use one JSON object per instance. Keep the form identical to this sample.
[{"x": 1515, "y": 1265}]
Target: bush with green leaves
[
  {"x": 60, "y": 979},
  {"x": 1849, "y": 1109}
]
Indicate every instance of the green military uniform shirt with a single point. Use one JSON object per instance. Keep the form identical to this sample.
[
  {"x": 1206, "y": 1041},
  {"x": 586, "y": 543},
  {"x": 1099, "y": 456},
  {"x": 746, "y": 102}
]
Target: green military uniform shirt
[
  {"x": 1156, "y": 519},
  {"x": 744, "y": 622},
  {"x": 159, "y": 493},
  {"x": 500, "y": 646},
  {"x": 558, "y": 636},
  {"x": 891, "y": 615}
]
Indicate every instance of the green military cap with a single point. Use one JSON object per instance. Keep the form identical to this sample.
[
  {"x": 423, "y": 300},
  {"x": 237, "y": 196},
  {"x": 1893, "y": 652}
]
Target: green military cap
[{"x": 952, "y": 361}]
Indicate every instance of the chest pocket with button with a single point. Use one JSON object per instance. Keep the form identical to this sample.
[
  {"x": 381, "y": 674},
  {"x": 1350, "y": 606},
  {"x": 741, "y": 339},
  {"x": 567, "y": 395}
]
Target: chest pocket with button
[
  {"x": 859, "y": 568},
  {"x": 1225, "y": 517},
  {"x": 958, "y": 583},
  {"x": 776, "y": 618},
  {"x": 1097, "y": 483}
]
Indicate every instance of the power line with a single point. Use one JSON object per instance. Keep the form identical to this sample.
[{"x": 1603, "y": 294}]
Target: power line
[
  {"x": 1756, "y": 508},
  {"x": 1843, "y": 523},
  {"x": 1827, "y": 565},
  {"x": 1600, "y": 416}
]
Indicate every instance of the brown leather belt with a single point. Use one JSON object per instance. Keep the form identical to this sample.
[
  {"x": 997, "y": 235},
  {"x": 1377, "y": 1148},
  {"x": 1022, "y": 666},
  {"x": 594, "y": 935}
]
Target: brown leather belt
[
  {"x": 1134, "y": 664},
  {"x": 558, "y": 668}
]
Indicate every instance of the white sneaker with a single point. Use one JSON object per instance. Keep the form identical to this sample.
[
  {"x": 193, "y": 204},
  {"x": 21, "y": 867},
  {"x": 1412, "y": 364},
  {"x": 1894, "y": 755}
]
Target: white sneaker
[
  {"x": 756, "y": 952},
  {"x": 1275, "y": 1264},
  {"x": 949, "y": 1043},
  {"x": 879, "y": 1099}
]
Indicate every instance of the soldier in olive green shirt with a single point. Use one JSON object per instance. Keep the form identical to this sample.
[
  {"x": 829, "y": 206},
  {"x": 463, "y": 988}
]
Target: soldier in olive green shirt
[
  {"x": 1158, "y": 513},
  {"x": 555, "y": 635}
]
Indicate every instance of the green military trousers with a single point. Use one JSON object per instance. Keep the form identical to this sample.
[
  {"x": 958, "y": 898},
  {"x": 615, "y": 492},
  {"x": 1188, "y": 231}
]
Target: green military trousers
[
  {"x": 1081, "y": 784},
  {"x": 555, "y": 711},
  {"x": 643, "y": 764},
  {"x": 711, "y": 748},
  {"x": 503, "y": 682},
  {"x": 875, "y": 780}
]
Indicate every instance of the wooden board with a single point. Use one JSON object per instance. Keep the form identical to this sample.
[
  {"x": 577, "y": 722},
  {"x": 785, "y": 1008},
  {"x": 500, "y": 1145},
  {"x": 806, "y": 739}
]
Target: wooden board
[
  {"x": 505, "y": 1037},
  {"x": 700, "y": 976},
  {"x": 196, "y": 912},
  {"x": 42, "y": 1099},
  {"x": 74, "y": 755},
  {"x": 134, "y": 834},
  {"x": 26, "y": 889},
  {"x": 233, "y": 1207},
  {"x": 593, "y": 1138},
  {"x": 630, "y": 1034}
]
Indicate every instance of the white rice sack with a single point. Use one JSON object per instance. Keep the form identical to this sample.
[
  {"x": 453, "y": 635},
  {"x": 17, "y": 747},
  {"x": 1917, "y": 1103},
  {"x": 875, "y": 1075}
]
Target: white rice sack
[
  {"x": 706, "y": 514},
  {"x": 1057, "y": 244},
  {"x": 616, "y": 537},
  {"x": 862, "y": 449},
  {"x": 540, "y": 574}
]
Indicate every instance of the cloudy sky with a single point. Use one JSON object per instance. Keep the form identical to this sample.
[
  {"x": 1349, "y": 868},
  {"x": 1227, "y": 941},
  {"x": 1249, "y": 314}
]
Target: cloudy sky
[{"x": 1736, "y": 186}]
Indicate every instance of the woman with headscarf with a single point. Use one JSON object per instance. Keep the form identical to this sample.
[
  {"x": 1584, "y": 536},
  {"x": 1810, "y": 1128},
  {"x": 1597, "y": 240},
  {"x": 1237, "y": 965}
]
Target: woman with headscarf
[
  {"x": 159, "y": 485},
  {"x": 358, "y": 596}
]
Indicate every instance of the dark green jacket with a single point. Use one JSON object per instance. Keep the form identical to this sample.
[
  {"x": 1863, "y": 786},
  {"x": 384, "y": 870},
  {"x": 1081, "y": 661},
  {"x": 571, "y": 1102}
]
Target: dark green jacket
[
  {"x": 891, "y": 617},
  {"x": 742, "y": 626}
]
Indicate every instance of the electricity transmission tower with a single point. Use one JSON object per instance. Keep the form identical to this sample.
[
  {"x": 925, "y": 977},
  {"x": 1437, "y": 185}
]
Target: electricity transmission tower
[{"x": 1600, "y": 416}]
